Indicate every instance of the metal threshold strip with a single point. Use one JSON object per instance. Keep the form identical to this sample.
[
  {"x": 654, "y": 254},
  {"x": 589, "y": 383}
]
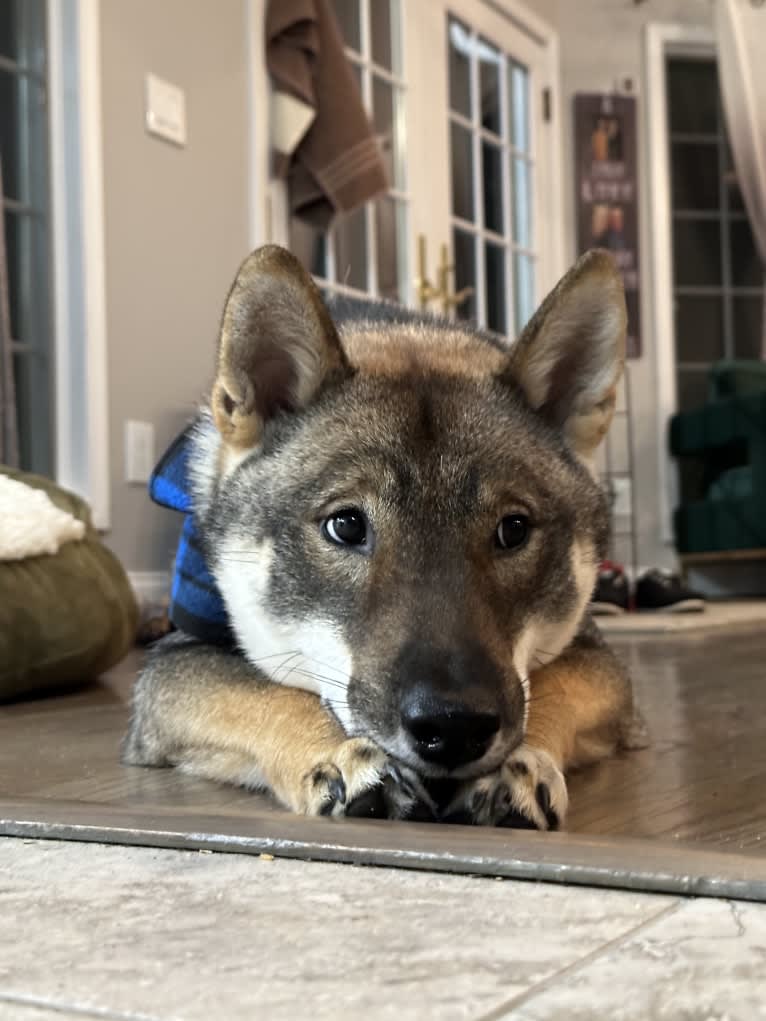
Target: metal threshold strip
[{"x": 616, "y": 862}]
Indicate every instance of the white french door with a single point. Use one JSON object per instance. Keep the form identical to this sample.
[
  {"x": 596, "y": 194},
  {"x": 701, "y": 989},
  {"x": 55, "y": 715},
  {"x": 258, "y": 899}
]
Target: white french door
[
  {"x": 458, "y": 91},
  {"x": 482, "y": 155}
]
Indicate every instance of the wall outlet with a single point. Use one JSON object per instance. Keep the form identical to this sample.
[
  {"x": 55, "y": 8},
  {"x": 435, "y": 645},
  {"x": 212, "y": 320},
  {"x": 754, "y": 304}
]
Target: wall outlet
[
  {"x": 165, "y": 110},
  {"x": 139, "y": 451}
]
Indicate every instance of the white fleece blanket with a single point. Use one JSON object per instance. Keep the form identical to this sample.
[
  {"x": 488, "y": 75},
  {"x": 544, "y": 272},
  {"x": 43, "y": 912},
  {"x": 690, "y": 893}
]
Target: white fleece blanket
[{"x": 30, "y": 524}]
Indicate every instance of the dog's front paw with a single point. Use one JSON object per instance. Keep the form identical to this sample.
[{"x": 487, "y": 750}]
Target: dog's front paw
[
  {"x": 527, "y": 792},
  {"x": 363, "y": 782}
]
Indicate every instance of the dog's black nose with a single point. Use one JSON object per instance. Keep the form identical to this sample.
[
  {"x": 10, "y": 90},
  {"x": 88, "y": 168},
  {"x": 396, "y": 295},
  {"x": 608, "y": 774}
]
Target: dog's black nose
[{"x": 445, "y": 732}]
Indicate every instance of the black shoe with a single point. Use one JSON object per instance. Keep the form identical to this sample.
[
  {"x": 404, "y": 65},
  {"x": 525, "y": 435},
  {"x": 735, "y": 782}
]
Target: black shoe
[
  {"x": 612, "y": 592},
  {"x": 663, "y": 590}
]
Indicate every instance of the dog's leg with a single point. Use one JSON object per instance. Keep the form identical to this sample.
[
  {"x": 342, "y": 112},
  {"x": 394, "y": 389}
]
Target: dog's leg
[
  {"x": 580, "y": 711},
  {"x": 209, "y": 713}
]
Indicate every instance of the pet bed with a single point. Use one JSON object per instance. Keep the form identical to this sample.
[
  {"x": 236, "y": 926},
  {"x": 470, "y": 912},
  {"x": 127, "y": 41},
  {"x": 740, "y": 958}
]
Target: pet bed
[{"x": 65, "y": 616}]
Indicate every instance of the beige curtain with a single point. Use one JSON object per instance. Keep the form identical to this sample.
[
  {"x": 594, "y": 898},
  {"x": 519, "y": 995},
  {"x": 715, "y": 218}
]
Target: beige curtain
[
  {"x": 741, "y": 45},
  {"x": 9, "y": 444}
]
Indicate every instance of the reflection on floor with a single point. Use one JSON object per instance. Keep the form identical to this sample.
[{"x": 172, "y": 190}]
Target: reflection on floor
[
  {"x": 704, "y": 776},
  {"x": 700, "y": 784}
]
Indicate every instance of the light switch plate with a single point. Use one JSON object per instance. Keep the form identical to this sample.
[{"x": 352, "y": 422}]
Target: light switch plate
[
  {"x": 622, "y": 497},
  {"x": 165, "y": 110},
  {"x": 139, "y": 451}
]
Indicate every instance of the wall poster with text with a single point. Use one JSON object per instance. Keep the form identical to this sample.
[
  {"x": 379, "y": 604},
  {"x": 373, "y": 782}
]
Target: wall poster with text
[{"x": 607, "y": 190}]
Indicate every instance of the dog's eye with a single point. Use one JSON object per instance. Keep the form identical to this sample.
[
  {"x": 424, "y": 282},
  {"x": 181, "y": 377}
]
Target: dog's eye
[
  {"x": 347, "y": 527},
  {"x": 512, "y": 531}
]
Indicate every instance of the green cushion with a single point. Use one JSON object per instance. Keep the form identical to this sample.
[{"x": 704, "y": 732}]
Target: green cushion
[
  {"x": 64, "y": 618},
  {"x": 709, "y": 526},
  {"x": 713, "y": 426},
  {"x": 737, "y": 378},
  {"x": 734, "y": 484}
]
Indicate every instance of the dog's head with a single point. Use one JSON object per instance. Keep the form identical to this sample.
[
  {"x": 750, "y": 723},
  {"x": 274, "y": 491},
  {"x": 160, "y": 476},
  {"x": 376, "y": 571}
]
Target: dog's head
[{"x": 401, "y": 516}]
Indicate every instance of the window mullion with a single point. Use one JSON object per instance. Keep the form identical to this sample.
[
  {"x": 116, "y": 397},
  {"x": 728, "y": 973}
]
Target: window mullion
[{"x": 723, "y": 204}]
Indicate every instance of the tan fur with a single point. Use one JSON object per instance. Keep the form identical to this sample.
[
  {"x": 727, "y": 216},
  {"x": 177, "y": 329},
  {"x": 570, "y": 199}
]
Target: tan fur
[
  {"x": 419, "y": 351},
  {"x": 578, "y": 706},
  {"x": 260, "y": 736}
]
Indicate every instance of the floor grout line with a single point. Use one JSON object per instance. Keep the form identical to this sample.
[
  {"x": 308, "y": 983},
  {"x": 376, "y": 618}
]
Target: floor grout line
[
  {"x": 551, "y": 980},
  {"x": 59, "y": 1007}
]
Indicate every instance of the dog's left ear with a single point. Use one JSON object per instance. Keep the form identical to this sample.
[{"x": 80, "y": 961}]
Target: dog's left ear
[
  {"x": 569, "y": 358},
  {"x": 278, "y": 346}
]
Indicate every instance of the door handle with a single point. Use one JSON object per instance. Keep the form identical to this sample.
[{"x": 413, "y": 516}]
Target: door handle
[
  {"x": 450, "y": 299},
  {"x": 427, "y": 292}
]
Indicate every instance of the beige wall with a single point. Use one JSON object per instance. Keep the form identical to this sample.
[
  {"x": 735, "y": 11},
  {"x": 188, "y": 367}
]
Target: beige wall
[
  {"x": 602, "y": 42},
  {"x": 176, "y": 223}
]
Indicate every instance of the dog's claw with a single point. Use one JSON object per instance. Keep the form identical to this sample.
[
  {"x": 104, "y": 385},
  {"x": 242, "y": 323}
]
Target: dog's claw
[
  {"x": 527, "y": 792},
  {"x": 543, "y": 796}
]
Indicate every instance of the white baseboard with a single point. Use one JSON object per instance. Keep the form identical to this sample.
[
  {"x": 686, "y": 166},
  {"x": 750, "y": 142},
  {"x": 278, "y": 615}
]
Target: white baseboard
[{"x": 150, "y": 586}]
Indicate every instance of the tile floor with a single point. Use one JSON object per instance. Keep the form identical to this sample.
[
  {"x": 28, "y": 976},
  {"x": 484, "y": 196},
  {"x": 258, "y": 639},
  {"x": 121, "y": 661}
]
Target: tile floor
[{"x": 96, "y": 931}]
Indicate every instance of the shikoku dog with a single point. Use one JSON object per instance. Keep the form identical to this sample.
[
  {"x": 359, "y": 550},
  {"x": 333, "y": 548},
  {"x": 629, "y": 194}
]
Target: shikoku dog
[{"x": 404, "y": 524}]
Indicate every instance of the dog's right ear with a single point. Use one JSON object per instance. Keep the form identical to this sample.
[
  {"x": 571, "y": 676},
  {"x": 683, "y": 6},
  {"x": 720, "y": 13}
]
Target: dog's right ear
[{"x": 278, "y": 345}]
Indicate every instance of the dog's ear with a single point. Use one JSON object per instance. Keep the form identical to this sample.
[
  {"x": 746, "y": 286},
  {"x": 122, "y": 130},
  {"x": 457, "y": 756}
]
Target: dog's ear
[
  {"x": 569, "y": 358},
  {"x": 278, "y": 345}
]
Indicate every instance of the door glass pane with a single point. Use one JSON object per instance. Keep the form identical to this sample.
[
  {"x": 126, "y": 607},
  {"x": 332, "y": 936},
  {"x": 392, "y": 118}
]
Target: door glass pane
[
  {"x": 734, "y": 195},
  {"x": 462, "y": 173},
  {"x": 692, "y": 389},
  {"x": 746, "y": 267},
  {"x": 27, "y": 261},
  {"x": 350, "y": 247},
  {"x": 13, "y": 252},
  {"x": 387, "y": 112},
  {"x": 522, "y": 203},
  {"x": 22, "y": 32},
  {"x": 492, "y": 182},
  {"x": 697, "y": 253},
  {"x": 383, "y": 120},
  {"x": 389, "y": 241},
  {"x": 33, "y": 405},
  {"x": 523, "y": 289},
  {"x": 459, "y": 69},
  {"x": 385, "y": 34},
  {"x": 464, "y": 250},
  {"x": 748, "y": 315},
  {"x": 518, "y": 107},
  {"x": 693, "y": 96},
  {"x": 695, "y": 177},
  {"x": 489, "y": 86},
  {"x": 699, "y": 328},
  {"x": 9, "y": 37},
  {"x": 494, "y": 268},
  {"x": 347, "y": 13},
  {"x": 309, "y": 245},
  {"x": 10, "y": 97}
]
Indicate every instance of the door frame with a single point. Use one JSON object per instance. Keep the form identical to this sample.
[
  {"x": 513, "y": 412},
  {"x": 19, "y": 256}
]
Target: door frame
[
  {"x": 660, "y": 41},
  {"x": 81, "y": 418}
]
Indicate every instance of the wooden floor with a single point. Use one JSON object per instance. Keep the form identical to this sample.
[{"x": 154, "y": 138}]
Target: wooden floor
[{"x": 701, "y": 785}]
